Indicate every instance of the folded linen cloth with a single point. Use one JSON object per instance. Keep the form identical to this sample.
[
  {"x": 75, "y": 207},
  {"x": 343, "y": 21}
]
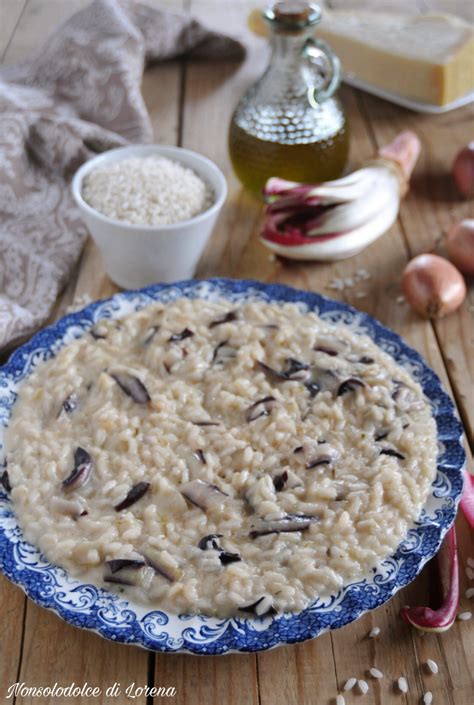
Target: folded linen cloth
[{"x": 79, "y": 96}]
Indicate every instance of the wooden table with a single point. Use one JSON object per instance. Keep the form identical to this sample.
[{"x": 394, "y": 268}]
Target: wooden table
[{"x": 38, "y": 648}]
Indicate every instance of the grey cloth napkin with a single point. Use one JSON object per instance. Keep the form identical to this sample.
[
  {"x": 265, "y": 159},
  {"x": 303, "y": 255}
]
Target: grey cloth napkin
[{"x": 79, "y": 96}]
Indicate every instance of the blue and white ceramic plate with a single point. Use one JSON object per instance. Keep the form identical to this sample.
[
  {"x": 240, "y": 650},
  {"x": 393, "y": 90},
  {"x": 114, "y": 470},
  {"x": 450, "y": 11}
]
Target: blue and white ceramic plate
[{"x": 115, "y": 618}]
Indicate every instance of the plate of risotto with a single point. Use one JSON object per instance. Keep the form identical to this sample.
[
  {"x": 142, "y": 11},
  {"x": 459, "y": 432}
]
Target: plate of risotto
[{"x": 221, "y": 465}]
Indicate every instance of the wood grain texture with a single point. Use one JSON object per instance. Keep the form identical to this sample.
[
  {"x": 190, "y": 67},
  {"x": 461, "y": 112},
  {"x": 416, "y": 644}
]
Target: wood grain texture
[
  {"x": 38, "y": 20},
  {"x": 12, "y": 601},
  {"x": 10, "y": 13},
  {"x": 56, "y": 652},
  {"x": 230, "y": 680},
  {"x": 200, "y": 97}
]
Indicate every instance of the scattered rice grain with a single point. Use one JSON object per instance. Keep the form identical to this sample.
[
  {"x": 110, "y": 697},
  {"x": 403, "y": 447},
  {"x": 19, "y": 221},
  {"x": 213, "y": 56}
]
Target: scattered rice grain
[
  {"x": 469, "y": 593},
  {"x": 336, "y": 284},
  {"x": 339, "y": 284},
  {"x": 350, "y": 683},
  {"x": 464, "y": 616},
  {"x": 402, "y": 684},
  {"x": 470, "y": 573},
  {"x": 340, "y": 700},
  {"x": 428, "y": 698},
  {"x": 375, "y": 673},
  {"x": 432, "y": 665},
  {"x": 374, "y": 632},
  {"x": 363, "y": 686},
  {"x": 470, "y": 562},
  {"x": 362, "y": 274}
]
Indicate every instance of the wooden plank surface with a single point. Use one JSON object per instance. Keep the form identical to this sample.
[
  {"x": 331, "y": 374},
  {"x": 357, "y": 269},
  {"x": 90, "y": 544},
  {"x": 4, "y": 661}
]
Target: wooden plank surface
[
  {"x": 200, "y": 99},
  {"x": 37, "y": 21},
  {"x": 9, "y": 17}
]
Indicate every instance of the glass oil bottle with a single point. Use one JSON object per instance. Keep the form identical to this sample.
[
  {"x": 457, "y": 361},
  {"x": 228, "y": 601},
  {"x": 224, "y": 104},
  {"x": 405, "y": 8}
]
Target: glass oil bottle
[{"x": 289, "y": 123}]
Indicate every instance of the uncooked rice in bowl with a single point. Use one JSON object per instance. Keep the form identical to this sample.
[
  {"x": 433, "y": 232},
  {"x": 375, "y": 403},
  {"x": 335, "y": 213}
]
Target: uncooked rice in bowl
[{"x": 146, "y": 191}]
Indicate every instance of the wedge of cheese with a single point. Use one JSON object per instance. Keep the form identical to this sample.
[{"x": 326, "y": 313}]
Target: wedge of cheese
[{"x": 426, "y": 58}]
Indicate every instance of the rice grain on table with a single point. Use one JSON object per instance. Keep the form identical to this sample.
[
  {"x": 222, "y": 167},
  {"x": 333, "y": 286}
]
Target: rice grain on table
[
  {"x": 432, "y": 665},
  {"x": 464, "y": 616},
  {"x": 428, "y": 698},
  {"x": 340, "y": 700},
  {"x": 375, "y": 673},
  {"x": 375, "y": 631},
  {"x": 146, "y": 191},
  {"x": 363, "y": 686},
  {"x": 402, "y": 684},
  {"x": 350, "y": 683}
]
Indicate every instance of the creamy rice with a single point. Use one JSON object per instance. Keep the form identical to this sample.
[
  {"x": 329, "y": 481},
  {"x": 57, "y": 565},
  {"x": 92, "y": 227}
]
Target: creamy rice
[{"x": 221, "y": 459}]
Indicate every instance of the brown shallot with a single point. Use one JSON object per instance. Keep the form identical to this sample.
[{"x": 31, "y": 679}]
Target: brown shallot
[
  {"x": 459, "y": 244},
  {"x": 433, "y": 286},
  {"x": 463, "y": 170}
]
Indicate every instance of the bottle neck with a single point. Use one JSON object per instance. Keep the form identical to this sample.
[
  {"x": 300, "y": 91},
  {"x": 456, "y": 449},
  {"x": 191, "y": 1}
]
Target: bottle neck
[
  {"x": 288, "y": 48},
  {"x": 285, "y": 74}
]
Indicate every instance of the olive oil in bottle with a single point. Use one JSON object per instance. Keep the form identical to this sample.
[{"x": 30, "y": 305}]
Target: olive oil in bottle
[
  {"x": 290, "y": 124},
  {"x": 256, "y": 159}
]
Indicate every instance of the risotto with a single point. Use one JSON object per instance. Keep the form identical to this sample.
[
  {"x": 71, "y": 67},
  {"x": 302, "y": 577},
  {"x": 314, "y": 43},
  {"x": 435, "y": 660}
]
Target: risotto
[{"x": 206, "y": 457}]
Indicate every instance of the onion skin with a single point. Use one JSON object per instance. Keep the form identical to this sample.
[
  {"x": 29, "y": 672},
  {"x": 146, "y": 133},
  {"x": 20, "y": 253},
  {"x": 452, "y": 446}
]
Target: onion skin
[
  {"x": 433, "y": 286},
  {"x": 463, "y": 170},
  {"x": 460, "y": 245},
  {"x": 440, "y": 620}
]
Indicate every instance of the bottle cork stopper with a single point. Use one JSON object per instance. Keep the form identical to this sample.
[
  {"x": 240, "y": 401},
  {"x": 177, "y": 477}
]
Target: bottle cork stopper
[{"x": 292, "y": 11}]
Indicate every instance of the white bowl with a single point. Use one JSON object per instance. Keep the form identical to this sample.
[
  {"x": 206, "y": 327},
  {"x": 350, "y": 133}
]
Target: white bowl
[{"x": 138, "y": 255}]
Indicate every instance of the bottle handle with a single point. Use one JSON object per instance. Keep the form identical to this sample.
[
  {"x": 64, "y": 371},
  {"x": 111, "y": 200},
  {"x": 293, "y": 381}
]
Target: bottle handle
[{"x": 319, "y": 54}]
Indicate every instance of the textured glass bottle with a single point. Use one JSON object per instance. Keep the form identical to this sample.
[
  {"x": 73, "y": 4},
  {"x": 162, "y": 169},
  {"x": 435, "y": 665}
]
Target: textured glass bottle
[{"x": 289, "y": 124}]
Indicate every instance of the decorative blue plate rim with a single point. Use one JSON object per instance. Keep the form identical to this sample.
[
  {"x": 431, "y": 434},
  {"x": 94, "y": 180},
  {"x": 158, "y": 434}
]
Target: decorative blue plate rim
[{"x": 118, "y": 619}]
